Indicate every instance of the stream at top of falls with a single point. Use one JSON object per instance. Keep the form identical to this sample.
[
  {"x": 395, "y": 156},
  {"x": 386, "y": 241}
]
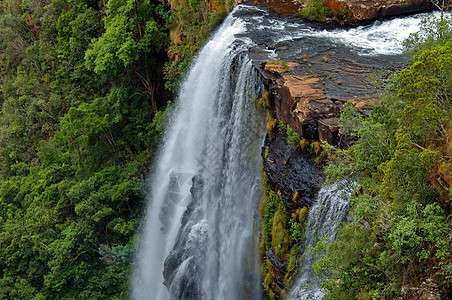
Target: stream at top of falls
[{"x": 199, "y": 239}]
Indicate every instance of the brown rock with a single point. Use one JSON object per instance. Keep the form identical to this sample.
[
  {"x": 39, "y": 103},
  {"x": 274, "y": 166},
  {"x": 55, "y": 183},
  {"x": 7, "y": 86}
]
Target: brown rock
[
  {"x": 282, "y": 7},
  {"x": 300, "y": 103},
  {"x": 368, "y": 10},
  {"x": 328, "y": 130},
  {"x": 279, "y": 66}
]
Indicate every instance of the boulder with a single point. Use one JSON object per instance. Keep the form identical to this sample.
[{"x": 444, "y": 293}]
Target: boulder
[{"x": 328, "y": 130}]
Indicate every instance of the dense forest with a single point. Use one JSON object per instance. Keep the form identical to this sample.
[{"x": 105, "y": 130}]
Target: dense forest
[
  {"x": 81, "y": 86},
  {"x": 84, "y": 94},
  {"x": 83, "y": 100},
  {"x": 399, "y": 235}
]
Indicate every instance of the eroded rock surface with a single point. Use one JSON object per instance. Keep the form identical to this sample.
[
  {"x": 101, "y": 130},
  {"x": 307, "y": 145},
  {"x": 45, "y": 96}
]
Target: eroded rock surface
[
  {"x": 308, "y": 95},
  {"x": 359, "y": 10},
  {"x": 291, "y": 171}
]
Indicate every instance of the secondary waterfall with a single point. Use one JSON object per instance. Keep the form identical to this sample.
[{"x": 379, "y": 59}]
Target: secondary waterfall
[
  {"x": 324, "y": 220},
  {"x": 199, "y": 239}
]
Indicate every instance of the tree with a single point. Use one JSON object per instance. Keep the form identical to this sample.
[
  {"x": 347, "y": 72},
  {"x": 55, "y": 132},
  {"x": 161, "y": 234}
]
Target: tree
[
  {"x": 134, "y": 34},
  {"x": 400, "y": 229}
]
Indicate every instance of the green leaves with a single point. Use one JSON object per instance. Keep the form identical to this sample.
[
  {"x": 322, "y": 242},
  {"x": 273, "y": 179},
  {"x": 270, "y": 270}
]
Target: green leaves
[
  {"x": 75, "y": 145},
  {"x": 401, "y": 223},
  {"x": 420, "y": 233},
  {"x": 130, "y": 31}
]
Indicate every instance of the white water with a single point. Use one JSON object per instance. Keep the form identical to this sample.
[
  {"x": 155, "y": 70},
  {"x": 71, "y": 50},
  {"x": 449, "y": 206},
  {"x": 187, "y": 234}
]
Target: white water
[
  {"x": 381, "y": 37},
  {"x": 201, "y": 222},
  {"x": 206, "y": 237},
  {"x": 324, "y": 220}
]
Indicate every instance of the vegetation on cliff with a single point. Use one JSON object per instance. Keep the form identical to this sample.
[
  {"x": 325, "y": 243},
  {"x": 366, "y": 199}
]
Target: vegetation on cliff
[
  {"x": 190, "y": 24},
  {"x": 82, "y": 109},
  {"x": 81, "y": 87},
  {"x": 398, "y": 240},
  {"x": 282, "y": 234}
]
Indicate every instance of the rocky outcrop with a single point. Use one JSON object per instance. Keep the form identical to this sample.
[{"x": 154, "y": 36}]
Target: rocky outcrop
[
  {"x": 328, "y": 130},
  {"x": 277, "y": 262},
  {"x": 358, "y": 10},
  {"x": 299, "y": 96},
  {"x": 282, "y": 7},
  {"x": 349, "y": 11},
  {"x": 292, "y": 173}
]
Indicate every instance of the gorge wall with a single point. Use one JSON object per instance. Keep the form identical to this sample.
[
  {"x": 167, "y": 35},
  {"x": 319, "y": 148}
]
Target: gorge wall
[{"x": 351, "y": 11}]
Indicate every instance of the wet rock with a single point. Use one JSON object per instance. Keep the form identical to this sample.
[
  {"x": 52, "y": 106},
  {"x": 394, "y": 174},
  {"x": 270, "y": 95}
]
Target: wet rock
[
  {"x": 291, "y": 171},
  {"x": 183, "y": 266},
  {"x": 277, "y": 262}
]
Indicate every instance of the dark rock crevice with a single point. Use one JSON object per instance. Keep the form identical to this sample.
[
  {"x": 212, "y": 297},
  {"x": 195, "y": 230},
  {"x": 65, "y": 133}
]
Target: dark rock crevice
[{"x": 290, "y": 171}]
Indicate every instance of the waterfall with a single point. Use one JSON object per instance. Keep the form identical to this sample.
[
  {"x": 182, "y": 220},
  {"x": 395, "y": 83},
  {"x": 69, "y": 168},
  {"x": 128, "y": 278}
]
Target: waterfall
[
  {"x": 324, "y": 220},
  {"x": 202, "y": 219},
  {"x": 199, "y": 237}
]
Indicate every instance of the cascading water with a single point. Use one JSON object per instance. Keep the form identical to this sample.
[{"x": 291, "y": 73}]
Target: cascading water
[
  {"x": 200, "y": 227},
  {"x": 199, "y": 237},
  {"x": 324, "y": 220}
]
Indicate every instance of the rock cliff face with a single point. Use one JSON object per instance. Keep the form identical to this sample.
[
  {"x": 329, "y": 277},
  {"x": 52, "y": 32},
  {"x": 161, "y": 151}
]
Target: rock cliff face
[
  {"x": 290, "y": 171},
  {"x": 307, "y": 88},
  {"x": 354, "y": 10},
  {"x": 308, "y": 93},
  {"x": 369, "y": 10}
]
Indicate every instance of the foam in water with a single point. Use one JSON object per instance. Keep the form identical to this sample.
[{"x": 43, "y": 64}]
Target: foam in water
[
  {"x": 324, "y": 220},
  {"x": 206, "y": 187},
  {"x": 199, "y": 237},
  {"x": 381, "y": 37}
]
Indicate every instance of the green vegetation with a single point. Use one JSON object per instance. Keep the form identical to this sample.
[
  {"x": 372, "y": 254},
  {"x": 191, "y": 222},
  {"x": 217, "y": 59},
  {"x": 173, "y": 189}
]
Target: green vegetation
[
  {"x": 283, "y": 232},
  {"x": 263, "y": 104},
  {"x": 317, "y": 10},
  {"x": 80, "y": 119},
  {"x": 401, "y": 212},
  {"x": 83, "y": 102},
  {"x": 82, "y": 108},
  {"x": 316, "y": 148},
  {"x": 292, "y": 136},
  {"x": 190, "y": 24}
]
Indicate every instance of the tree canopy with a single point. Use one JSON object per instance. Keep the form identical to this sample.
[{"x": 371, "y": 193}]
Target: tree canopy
[{"x": 400, "y": 228}]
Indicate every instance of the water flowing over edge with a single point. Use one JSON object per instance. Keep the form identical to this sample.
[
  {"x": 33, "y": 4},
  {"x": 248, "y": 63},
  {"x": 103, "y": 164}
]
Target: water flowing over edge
[
  {"x": 324, "y": 220},
  {"x": 207, "y": 183},
  {"x": 201, "y": 118}
]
